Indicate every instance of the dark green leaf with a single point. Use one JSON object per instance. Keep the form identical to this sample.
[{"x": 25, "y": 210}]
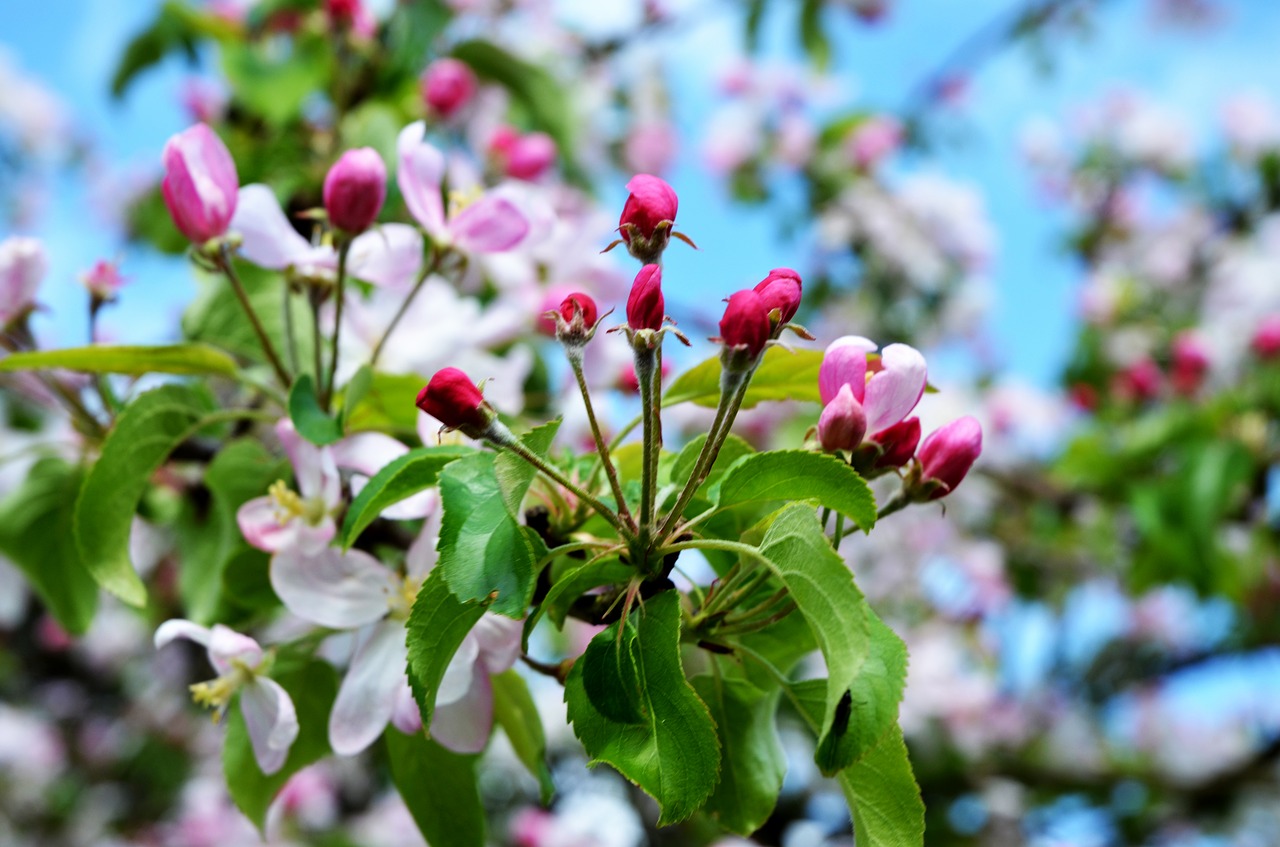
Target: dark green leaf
[
  {"x": 798, "y": 475},
  {"x": 399, "y": 479},
  {"x": 187, "y": 359},
  {"x": 143, "y": 435},
  {"x": 812, "y": 36},
  {"x": 515, "y": 712},
  {"x": 611, "y": 673},
  {"x": 675, "y": 756},
  {"x": 167, "y": 34},
  {"x": 35, "y": 534},
  {"x": 782, "y": 375},
  {"x": 308, "y": 418},
  {"x": 313, "y": 688},
  {"x": 436, "y": 627},
  {"x": 439, "y": 787},
  {"x": 731, "y": 450}
]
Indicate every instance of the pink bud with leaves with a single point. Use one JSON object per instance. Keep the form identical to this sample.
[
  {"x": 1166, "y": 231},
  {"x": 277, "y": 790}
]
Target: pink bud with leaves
[
  {"x": 948, "y": 453},
  {"x": 1266, "y": 339},
  {"x": 645, "y": 303},
  {"x": 647, "y": 217},
  {"x": 454, "y": 400},
  {"x": 843, "y": 422},
  {"x": 200, "y": 183},
  {"x": 745, "y": 323},
  {"x": 448, "y": 85},
  {"x": 781, "y": 290},
  {"x": 354, "y": 190}
]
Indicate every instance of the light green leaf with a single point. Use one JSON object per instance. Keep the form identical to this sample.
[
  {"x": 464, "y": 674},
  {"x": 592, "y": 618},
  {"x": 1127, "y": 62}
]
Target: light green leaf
[
  {"x": 436, "y": 628},
  {"x": 312, "y": 422},
  {"x": 186, "y": 359},
  {"x": 731, "y": 450},
  {"x": 35, "y": 534},
  {"x": 675, "y": 755},
  {"x": 752, "y": 761},
  {"x": 782, "y": 375},
  {"x": 798, "y": 475},
  {"x": 439, "y": 787},
  {"x": 143, "y": 435},
  {"x": 515, "y": 712},
  {"x": 822, "y": 587},
  {"x": 313, "y": 688},
  {"x": 388, "y": 404},
  {"x": 274, "y": 83},
  {"x": 398, "y": 480},
  {"x": 357, "y": 387}
]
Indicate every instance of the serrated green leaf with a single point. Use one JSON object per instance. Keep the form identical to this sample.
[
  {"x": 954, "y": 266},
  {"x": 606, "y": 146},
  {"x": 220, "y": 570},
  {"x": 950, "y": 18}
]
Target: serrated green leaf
[
  {"x": 313, "y": 688},
  {"x": 312, "y": 422},
  {"x": 752, "y": 760},
  {"x": 36, "y": 535},
  {"x": 398, "y": 480},
  {"x": 731, "y": 450},
  {"x": 515, "y": 712},
  {"x": 782, "y": 375},
  {"x": 610, "y": 673},
  {"x": 185, "y": 359},
  {"x": 675, "y": 756},
  {"x": 440, "y": 789},
  {"x": 436, "y": 627},
  {"x": 822, "y": 587},
  {"x": 799, "y": 475},
  {"x": 515, "y": 475},
  {"x": 143, "y": 435}
]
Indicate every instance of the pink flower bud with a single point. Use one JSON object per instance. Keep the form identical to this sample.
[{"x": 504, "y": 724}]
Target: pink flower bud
[
  {"x": 530, "y": 156},
  {"x": 842, "y": 423},
  {"x": 200, "y": 183},
  {"x": 1139, "y": 382},
  {"x": 650, "y": 203},
  {"x": 781, "y": 290},
  {"x": 874, "y": 140},
  {"x": 579, "y": 304},
  {"x": 1266, "y": 340},
  {"x": 1190, "y": 363},
  {"x": 746, "y": 322},
  {"x": 898, "y": 443},
  {"x": 948, "y": 453},
  {"x": 448, "y": 85},
  {"x": 103, "y": 280},
  {"x": 354, "y": 189},
  {"x": 22, "y": 266},
  {"x": 453, "y": 399},
  {"x": 644, "y": 304}
]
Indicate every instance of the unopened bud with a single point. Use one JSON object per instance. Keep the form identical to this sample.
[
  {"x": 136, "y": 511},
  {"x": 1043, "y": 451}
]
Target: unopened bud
[
  {"x": 447, "y": 86},
  {"x": 645, "y": 304},
  {"x": 897, "y": 443},
  {"x": 647, "y": 217},
  {"x": 745, "y": 325},
  {"x": 1266, "y": 340},
  {"x": 454, "y": 400},
  {"x": 781, "y": 290},
  {"x": 354, "y": 190},
  {"x": 946, "y": 456},
  {"x": 843, "y": 423},
  {"x": 576, "y": 319}
]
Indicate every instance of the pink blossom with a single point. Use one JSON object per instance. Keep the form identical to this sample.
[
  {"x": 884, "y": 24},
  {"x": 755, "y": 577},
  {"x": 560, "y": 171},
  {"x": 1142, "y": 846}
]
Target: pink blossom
[
  {"x": 1266, "y": 339},
  {"x": 200, "y": 183},
  {"x": 947, "y": 453},
  {"x": 889, "y": 394},
  {"x": 103, "y": 280},
  {"x": 354, "y": 189},
  {"x": 529, "y": 156},
  {"x": 874, "y": 140},
  {"x": 843, "y": 422},
  {"x": 448, "y": 85},
  {"x": 22, "y": 266},
  {"x": 651, "y": 147}
]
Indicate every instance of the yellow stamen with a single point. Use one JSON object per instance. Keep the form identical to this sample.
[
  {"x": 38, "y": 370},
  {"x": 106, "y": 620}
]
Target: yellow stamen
[
  {"x": 216, "y": 694},
  {"x": 401, "y": 603},
  {"x": 290, "y": 505},
  {"x": 459, "y": 200}
]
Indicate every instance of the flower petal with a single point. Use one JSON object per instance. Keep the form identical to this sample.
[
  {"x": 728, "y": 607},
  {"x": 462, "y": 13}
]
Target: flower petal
[
  {"x": 260, "y": 525},
  {"x": 419, "y": 175},
  {"x": 894, "y": 391},
  {"x": 227, "y": 646},
  {"x": 457, "y": 678},
  {"x": 421, "y": 556},
  {"x": 179, "y": 628},
  {"x": 369, "y": 692},
  {"x": 406, "y": 717},
  {"x": 332, "y": 588},
  {"x": 389, "y": 256},
  {"x": 313, "y": 467},
  {"x": 463, "y": 726},
  {"x": 369, "y": 452},
  {"x": 271, "y": 720},
  {"x": 499, "y": 640},
  {"x": 489, "y": 225},
  {"x": 844, "y": 363},
  {"x": 267, "y": 238}
]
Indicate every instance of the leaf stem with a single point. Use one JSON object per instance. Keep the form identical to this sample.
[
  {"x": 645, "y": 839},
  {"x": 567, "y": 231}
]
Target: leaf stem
[
  {"x": 227, "y": 266},
  {"x": 574, "y": 355},
  {"x": 326, "y": 395},
  {"x": 515, "y": 446},
  {"x": 432, "y": 266}
]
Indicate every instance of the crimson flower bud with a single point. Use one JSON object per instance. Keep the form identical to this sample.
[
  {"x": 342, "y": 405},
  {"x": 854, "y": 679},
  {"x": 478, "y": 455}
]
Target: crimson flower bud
[
  {"x": 842, "y": 423},
  {"x": 948, "y": 453},
  {"x": 1266, "y": 340},
  {"x": 781, "y": 290},
  {"x": 1190, "y": 363},
  {"x": 200, "y": 183},
  {"x": 530, "y": 156},
  {"x": 897, "y": 443},
  {"x": 354, "y": 189},
  {"x": 645, "y": 305},
  {"x": 647, "y": 217},
  {"x": 448, "y": 85},
  {"x": 453, "y": 399},
  {"x": 579, "y": 304},
  {"x": 746, "y": 322}
]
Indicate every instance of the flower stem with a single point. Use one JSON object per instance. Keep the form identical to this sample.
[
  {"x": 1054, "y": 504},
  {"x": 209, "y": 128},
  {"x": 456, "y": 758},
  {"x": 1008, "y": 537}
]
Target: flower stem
[
  {"x": 896, "y": 503},
  {"x": 646, "y": 366},
  {"x": 432, "y": 266},
  {"x": 326, "y": 396},
  {"x": 575, "y": 361},
  {"x": 514, "y": 445},
  {"x": 228, "y": 268}
]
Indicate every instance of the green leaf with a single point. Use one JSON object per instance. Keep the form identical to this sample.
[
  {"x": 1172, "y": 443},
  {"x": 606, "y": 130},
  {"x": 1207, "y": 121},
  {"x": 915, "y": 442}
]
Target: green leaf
[
  {"x": 35, "y": 534},
  {"x": 731, "y": 450},
  {"x": 782, "y": 375},
  {"x": 611, "y": 673},
  {"x": 822, "y": 587},
  {"x": 398, "y": 480},
  {"x": 167, "y": 33},
  {"x": 439, "y": 787},
  {"x": 799, "y": 475},
  {"x": 143, "y": 436},
  {"x": 753, "y": 763},
  {"x": 675, "y": 755},
  {"x": 388, "y": 404},
  {"x": 275, "y": 83},
  {"x": 186, "y": 359},
  {"x": 812, "y": 36},
  {"x": 436, "y": 628},
  {"x": 357, "y": 387},
  {"x": 485, "y": 553},
  {"x": 313, "y": 688},
  {"x": 312, "y": 422},
  {"x": 515, "y": 712},
  {"x": 875, "y": 695}
]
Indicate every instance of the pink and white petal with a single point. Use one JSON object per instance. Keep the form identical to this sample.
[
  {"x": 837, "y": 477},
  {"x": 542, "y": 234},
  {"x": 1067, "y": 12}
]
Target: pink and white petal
[
  {"x": 368, "y": 694},
  {"x": 499, "y": 639},
  {"x": 310, "y": 539},
  {"x": 367, "y": 452},
  {"x": 332, "y": 588},
  {"x": 389, "y": 256},
  {"x": 844, "y": 363},
  {"x": 272, "y": 722},
  {"x": 489, "y": 225},
  {"x": 303, "y": 455},
  {"x": 461, "y": 672},
  {"x": 267, "y": 238},
  {"x": 406, "y": 717},
  {"x": 419, "y": 175},
  {"x": 463, "y": 726},
  {"x": 260, "y": 525},
  {"x": 227, "y": 646},
  {"x": 180, "y": 628},
  {"x": 894, "y": 391},
  {"x": 409, "y": 509},
  {"x": 421, "y": 556}
]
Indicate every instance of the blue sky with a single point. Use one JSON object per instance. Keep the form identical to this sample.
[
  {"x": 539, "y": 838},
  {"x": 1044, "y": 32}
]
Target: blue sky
[{"x": 73, "y": 47}]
